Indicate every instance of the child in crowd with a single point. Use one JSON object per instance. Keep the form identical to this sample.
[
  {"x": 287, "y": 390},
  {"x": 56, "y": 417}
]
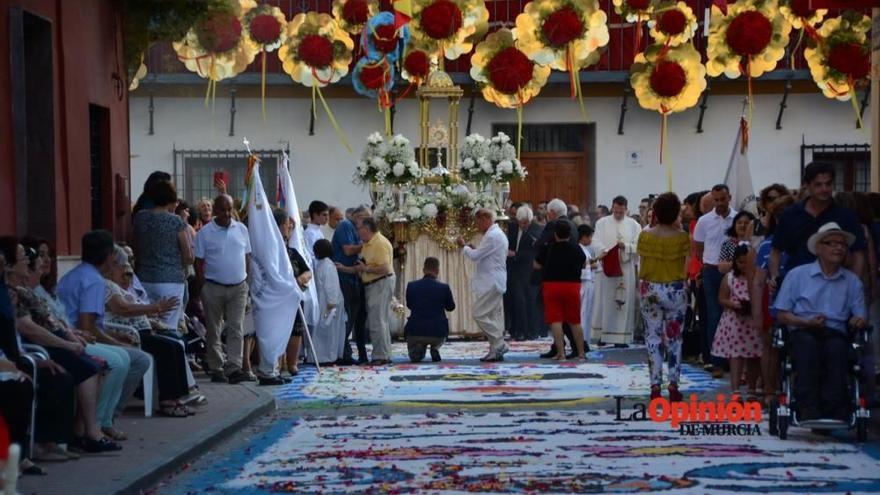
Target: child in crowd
[
  {"x": 585, "y": 238},
  {"x": 737, "y": 336},
  {"x": 329, "y": 333}
]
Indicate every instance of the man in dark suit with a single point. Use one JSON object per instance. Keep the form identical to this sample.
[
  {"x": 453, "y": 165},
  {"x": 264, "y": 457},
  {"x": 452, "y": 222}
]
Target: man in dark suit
[
  {"x": 512, "y": 229},
  {"x": 428, "y": 300},
  {"x": 525, "y": 315},
  {"x": 557, "y": 211}
]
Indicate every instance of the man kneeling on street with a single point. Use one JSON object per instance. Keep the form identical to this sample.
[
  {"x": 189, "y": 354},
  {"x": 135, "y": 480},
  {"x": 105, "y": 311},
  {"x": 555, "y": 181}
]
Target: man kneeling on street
[
  {"x": 818, "y": 302},
  {"x": 428, "y": 300}
]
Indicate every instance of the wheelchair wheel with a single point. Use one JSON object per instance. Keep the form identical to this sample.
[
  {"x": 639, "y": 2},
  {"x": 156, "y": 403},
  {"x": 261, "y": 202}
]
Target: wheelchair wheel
[
  {"x": 783, "y": 427},
  {"x": 774, "y": 417},
  {"x": 861, "y": 430}
]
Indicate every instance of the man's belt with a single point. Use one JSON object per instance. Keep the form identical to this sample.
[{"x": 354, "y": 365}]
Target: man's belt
[
  {"x": 371, "y": 282},
  {"x": 223, "y": 285}
]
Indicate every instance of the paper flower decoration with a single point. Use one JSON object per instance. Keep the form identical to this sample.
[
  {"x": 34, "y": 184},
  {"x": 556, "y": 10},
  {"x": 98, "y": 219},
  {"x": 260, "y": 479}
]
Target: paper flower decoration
[
  {"x": 841, "y": 60},
  {"x": 416, "y": 65},
  {"x": 448, "y": 27},
  {"x": 799, "y": 14},
  {"x": 383, "y": 39},
  {"x": 374, "y": 79},
  {"x": 135, "y": 79},
  {"x": 215, "y": 47},
  {"x": 668, "y": 80},
  {"x": 352, "y": 15},
  {"x": 750, "y": 39},
  {"x": 265, "y": 26},
  {"x": 634, "y": 10},
  {"x": 507, "y": 76},
  {"x": 673, "y": 24},
  {"x": 317, "y": 52}
]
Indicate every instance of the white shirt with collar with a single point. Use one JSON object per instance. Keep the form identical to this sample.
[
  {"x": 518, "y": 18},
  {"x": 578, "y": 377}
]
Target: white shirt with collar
[
  {"x": 312, "y": 234},
  {"x": 224, "y": 250},
  {"x": 711, "y": 230},
  {"x": 491, "y": 259}
]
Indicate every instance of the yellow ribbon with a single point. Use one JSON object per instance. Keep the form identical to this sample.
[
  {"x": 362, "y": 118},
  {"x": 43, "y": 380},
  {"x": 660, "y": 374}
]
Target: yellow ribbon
[
  {"x": 330, "y": 116},
  {"x": 855, "y": 105},
  {"x": 519, "y": 120},
  {"x": 263, "y": 87}
]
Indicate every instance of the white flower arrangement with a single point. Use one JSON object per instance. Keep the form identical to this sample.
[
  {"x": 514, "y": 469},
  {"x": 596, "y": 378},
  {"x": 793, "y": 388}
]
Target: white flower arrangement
[
  {"x": 384, "y": 162},
  {"x": 490, "y": 160}
]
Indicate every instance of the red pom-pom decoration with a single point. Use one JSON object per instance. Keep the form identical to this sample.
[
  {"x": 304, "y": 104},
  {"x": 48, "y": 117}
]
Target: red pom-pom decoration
[
  {"x": 510, "y": 70},
  {"x": 668, "y": 79},
  {"x": 265, "y": 29},
  {"x": 355, "y": 12},
  {"x": 850, "y": 59},
  {"x": 417, "y": 64},
  {"x": 373, "y": 76},
  {"x": 749, "y": 33},
  {"x": 672, "y": 22},
  {"x": 385, "y": 38},
  {"x": 801, "y": 8},
  {"x": 562, "y": 27},
  {"x": 441, "y": 19},
  {"x": 316, "y": 51},
  {"x": 219, "y": 33},
  {"x": 638, "y": 4}
]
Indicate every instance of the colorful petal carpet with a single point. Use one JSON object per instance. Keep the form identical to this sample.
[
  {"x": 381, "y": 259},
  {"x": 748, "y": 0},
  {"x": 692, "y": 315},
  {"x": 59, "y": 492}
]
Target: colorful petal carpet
[{"x": 527, "y": 452}]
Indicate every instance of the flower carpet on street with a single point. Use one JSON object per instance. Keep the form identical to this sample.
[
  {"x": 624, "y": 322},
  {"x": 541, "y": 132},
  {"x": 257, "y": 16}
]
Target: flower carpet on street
[
  {"x": 528, "y": 452},
  {"x": 456, "y": 383}
]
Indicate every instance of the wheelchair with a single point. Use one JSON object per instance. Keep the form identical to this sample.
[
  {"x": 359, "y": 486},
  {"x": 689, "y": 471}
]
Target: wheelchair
[{"x": 783, "y": 409}]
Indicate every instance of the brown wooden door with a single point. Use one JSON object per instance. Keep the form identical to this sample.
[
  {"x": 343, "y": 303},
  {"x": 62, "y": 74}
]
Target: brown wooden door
[{"x": 553, "y": 175}]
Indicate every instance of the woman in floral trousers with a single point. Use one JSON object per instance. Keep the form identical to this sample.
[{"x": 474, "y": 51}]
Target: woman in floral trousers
[{"x": 663, "y": 251}]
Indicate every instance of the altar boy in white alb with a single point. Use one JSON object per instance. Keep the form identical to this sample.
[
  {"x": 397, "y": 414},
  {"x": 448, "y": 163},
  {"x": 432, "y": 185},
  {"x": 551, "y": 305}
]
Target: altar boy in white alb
[
  {"x": 489, "y": 282},
  {"x": 615, "y": 305}
]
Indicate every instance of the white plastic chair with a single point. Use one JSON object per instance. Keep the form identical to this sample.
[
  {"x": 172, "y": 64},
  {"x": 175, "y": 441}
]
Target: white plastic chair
[
  {"x": 150, "y": 385},
  {"x": 33, "y": 353}
]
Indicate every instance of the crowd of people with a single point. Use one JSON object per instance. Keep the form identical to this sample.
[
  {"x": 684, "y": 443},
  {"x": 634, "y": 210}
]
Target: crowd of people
[{"x": 677, "y": 270}]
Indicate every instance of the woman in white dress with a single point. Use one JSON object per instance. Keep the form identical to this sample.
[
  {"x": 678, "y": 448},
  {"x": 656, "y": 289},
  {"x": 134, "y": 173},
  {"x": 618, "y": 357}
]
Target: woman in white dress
[{"x": 329, "y": 333}]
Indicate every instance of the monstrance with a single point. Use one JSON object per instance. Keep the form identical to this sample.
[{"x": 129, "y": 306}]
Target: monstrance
[{"x": 443, "y": 137}]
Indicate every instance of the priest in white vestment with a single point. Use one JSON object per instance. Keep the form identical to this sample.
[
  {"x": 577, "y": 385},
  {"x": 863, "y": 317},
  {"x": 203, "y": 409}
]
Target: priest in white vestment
[{"x": 615, "y": 304}]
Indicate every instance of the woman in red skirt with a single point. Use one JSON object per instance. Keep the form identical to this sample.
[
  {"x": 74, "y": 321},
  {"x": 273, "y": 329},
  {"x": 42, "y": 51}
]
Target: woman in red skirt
[{"x": 562, "y": 263}]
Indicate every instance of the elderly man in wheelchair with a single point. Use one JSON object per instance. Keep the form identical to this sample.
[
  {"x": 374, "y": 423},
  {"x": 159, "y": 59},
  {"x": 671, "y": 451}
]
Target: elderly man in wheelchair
[{"x": 822, "y": 306}]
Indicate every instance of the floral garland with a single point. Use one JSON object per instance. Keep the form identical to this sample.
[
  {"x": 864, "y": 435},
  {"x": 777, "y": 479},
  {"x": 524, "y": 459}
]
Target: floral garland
[
  {"x": 490, "y": 160},
  {"x": 673, "y": 24},
  {"x": 841, "y": 60},
  {"x": 265, "y": 26},
  {"x": 567, "y": 35},
  {"x": 391, "y": 162},
  {"x": 448, "y": 28},
  {"x": 215, "y": 47}
]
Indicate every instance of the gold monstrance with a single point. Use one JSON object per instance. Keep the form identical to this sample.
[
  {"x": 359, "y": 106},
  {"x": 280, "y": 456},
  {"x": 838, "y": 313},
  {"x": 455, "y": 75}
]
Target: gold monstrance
[{"x": 439, "y": 85}]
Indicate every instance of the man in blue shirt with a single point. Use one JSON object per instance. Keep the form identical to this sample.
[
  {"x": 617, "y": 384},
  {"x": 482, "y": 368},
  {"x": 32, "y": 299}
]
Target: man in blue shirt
[
  {"x": 428, "y": 301},
  {"x": 346, "y": 248},
  {"x": 803, "y": 219},
  {"x": 818, "y": 302}
]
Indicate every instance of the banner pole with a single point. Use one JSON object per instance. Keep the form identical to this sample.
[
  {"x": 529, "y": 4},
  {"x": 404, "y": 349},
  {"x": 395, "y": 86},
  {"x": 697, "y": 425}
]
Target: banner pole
[{"x": 308, "y": 336}]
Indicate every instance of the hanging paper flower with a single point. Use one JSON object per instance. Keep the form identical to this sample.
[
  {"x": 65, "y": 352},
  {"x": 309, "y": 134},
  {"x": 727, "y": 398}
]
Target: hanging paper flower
[
  {"x": 372, "y": 77},
  {"x": 317, "y": 51},
  {"x": 564, "y": 34},
  {"x": 673, "y": 24},
  {"x": 416, "y": 65},
  {"x": 135, "y": 79},
  {"x": 382, "y": 38},
  {"x": 265, "y": 26},
  {"x": 668, "y": 80},
  {"x": 750, "y": 39},
  {"x": 352, "y": 15},
  {"x": 448, "y": 27},
  {"x": 841, "y": 60},
  {"x": 798, "y": 13},
  {"x": 634, "y": 10},
  {"x": 215, "y": 47},
  {"x": 509, "y": 77}
]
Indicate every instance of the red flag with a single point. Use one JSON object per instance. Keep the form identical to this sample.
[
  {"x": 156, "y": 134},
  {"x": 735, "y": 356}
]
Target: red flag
[{"x": 611, "y": 263}]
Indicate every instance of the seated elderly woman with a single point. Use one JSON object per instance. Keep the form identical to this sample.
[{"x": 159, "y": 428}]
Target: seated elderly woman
[
  {"x": 819, "y": 302},
  {"x": 35, "y": 323},
  {"x": 125, "y": 315}
]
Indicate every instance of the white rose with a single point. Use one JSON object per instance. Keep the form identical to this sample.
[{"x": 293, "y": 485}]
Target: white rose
[
  {"x": 414, "y": 212},
  {"x": 467, "y": 163},
  {"x": 503, "y": 137},
  {"x": 398, "y": 169},
  {"x": 486, "y": 166},
  {"x": 430, "y": 210},
  {"x": 505, "y": 167},
  {"x": 374, "y": 138}
]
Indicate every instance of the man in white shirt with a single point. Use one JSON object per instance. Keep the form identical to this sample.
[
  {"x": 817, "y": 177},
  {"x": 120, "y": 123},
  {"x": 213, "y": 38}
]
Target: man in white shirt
[
  {"x": 319, "y": 213},
  {"x": 709, "y": 235},
  {"x": 334, "y": 217},
  {"x": 222, "y": 253},
  {"x": 489, "y": 282}
]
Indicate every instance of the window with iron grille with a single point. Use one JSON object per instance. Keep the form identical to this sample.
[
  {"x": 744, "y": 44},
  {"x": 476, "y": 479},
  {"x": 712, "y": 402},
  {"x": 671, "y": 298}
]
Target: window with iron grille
[
  {"x": 852, "y": 163},
  {"x": 194, "y": 172}
]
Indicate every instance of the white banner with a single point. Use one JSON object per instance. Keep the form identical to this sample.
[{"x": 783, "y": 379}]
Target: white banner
[
  {"x": 297, "y": 239},
  {"x": 274, "y": 291},
  {"x": 738, "y": 177}
]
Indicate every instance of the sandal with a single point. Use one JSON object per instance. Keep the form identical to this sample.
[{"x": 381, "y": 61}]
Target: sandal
[
  {"x": 177, "y": 411},
  {"x": 114, "y": 434},
  {"x": 95, "y": 446}
]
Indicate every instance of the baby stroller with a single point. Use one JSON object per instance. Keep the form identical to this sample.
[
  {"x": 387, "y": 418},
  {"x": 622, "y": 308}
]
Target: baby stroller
[{"x": 784, "y": 410}]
